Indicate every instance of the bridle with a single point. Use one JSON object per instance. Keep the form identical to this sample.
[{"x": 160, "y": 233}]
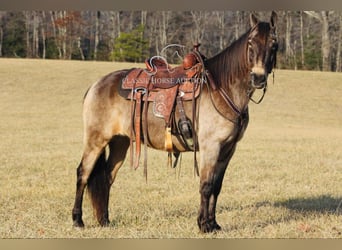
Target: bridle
[{"x": 270, "y": 65}]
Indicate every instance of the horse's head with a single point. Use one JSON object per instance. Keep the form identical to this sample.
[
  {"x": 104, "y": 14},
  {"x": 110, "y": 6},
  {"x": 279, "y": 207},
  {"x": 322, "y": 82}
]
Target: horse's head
[{"x": 261, "y": 50}]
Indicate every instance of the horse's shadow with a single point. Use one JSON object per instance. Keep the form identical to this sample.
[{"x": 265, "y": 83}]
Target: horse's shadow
[
  {"x": 325, "y": 204},
  {"x": 298, "y": 206}
]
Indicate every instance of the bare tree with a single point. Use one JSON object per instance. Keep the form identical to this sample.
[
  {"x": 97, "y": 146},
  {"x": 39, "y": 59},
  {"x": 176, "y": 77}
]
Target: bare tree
[
  {"x": 339, "y": 41},
  {"x": 159, "y": 30},
  {"x": 220, "y": 17},
  {"x": 143, "y": 17},
  {"x": 163, "y": 26},
  {"x": 1, "y": 39},
  {"x": 54, "y": 32},
  {"x": 2, "y": 13},
  {"x": 325, "y": 42},
  {"x": 239, "y": 24},
  {"x": 62, "y": 30},
  {"x": 27, "y": 15},
  {"x": 200, "y": 19},
  {"x": 59, "y": 30},
  {"x": 288, "y": 49},
  {"x": 96, "y": 41},
  {"x": 302, "y": 40},
  {"x": 113, "y": 19},
  {"x": 35, "y": 37},
  {"x": 323, "y": 18},
  {"x": 43, "y": 33}
]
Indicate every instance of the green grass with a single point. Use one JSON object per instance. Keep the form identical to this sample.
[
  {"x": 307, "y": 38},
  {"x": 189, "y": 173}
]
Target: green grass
[{"x": 284, "y": 180}]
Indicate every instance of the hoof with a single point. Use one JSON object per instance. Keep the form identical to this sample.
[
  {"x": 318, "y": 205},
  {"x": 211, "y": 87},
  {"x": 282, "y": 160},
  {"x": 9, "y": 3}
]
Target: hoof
[
  {"x": 78, "y": 224},
  {"x": 217, "y": 227},
  {"x": 209, "y": 226},
  {"x": 103, "y": 219},
  {"x": 77, "y": 219},
  {"x": 104, "y": 223}
]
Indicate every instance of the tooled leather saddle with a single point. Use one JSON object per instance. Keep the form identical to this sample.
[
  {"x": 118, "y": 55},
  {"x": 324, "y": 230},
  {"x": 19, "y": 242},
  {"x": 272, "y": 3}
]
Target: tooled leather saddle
[{"x": 164, "y": 87}]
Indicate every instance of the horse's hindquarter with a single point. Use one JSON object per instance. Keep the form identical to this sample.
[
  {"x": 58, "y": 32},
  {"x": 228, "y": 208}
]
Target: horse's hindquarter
[{"x": 105, "y": 112}]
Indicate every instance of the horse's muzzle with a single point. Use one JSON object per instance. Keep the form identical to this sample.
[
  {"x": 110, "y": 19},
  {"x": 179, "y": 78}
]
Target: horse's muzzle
[{"x": 258, "y": 81}]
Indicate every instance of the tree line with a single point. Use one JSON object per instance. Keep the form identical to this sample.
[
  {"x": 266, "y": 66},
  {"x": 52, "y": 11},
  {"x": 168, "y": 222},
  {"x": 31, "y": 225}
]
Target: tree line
[{"x": 308, "y": 40}]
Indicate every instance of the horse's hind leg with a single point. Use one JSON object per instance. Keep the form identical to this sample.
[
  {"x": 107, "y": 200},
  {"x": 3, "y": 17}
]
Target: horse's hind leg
[
  {"x": 118, "y": 149},
  {"x": 103, "y": 177},
  {"x": 84, "y": 170}
]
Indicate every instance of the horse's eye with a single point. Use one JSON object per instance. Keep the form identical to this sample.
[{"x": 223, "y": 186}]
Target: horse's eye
[{"x": 251, "y": 53}]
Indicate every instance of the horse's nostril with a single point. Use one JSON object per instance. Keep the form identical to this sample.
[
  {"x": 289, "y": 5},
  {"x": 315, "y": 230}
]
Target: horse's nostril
[{"x": 260, "y": 78}]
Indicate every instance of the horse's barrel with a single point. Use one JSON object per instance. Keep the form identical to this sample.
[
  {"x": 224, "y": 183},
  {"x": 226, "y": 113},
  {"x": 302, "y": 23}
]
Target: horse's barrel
[{"x": 189, "y": 61}]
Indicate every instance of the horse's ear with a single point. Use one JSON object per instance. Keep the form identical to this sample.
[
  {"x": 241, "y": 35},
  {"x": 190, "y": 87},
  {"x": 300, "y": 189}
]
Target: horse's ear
[
  {"x": 253, "y": 20},
  {"x": 274, "y": 19}
]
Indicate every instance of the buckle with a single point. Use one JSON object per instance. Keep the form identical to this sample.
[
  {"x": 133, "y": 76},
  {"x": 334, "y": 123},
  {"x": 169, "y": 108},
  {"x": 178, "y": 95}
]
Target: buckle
[{"x": 141, "y": 90}]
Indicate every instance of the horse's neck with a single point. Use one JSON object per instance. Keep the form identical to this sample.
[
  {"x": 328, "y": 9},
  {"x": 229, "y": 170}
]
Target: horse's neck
[
  {"x": 236, "y": 89},
  {"x": 238, "y": 92}
]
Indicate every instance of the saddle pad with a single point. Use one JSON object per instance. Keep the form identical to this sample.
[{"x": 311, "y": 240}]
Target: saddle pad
[{"x": 136, "y": 78}]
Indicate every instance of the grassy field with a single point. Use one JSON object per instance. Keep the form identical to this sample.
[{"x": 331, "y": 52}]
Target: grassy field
[{"x": 284, "y": 180}]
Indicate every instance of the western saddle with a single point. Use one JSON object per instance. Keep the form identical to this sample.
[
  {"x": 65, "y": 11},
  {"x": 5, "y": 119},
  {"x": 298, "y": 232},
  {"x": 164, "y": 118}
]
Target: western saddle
[{"x": 165, "y": 87}]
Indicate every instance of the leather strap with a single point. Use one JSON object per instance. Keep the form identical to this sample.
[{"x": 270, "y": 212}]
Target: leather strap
[
  {"x": 145, "y": 131},
  {"x": 132, "y": 128},
  {"x": 168, "y": 139},
  {"x": 229, "y": 101},
  {"x": 194, "y": 124},
  {"x": 137, "y": 128}
]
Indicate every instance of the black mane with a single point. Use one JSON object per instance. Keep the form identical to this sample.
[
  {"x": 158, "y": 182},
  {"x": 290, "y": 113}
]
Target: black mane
[{"x": 231, "y": 63}]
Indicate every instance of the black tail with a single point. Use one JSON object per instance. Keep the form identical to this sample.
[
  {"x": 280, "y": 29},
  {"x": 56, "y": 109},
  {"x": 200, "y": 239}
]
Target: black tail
[{"x": 98, "y": 189}]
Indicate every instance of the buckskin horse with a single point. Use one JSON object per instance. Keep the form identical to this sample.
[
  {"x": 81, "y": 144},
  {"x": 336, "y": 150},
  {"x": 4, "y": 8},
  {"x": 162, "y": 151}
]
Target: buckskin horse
[{"x": 112, "y": 121}]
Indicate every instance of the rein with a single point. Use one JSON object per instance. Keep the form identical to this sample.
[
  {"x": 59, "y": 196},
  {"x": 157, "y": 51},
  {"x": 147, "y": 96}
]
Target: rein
[
  {"x": 250, "y": 92},
  {"x": 228, "y": 100}
]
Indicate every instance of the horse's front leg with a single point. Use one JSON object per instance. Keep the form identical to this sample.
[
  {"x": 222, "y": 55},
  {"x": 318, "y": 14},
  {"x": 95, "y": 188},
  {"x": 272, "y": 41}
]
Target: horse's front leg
[{"x": 211, "y": 177}]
